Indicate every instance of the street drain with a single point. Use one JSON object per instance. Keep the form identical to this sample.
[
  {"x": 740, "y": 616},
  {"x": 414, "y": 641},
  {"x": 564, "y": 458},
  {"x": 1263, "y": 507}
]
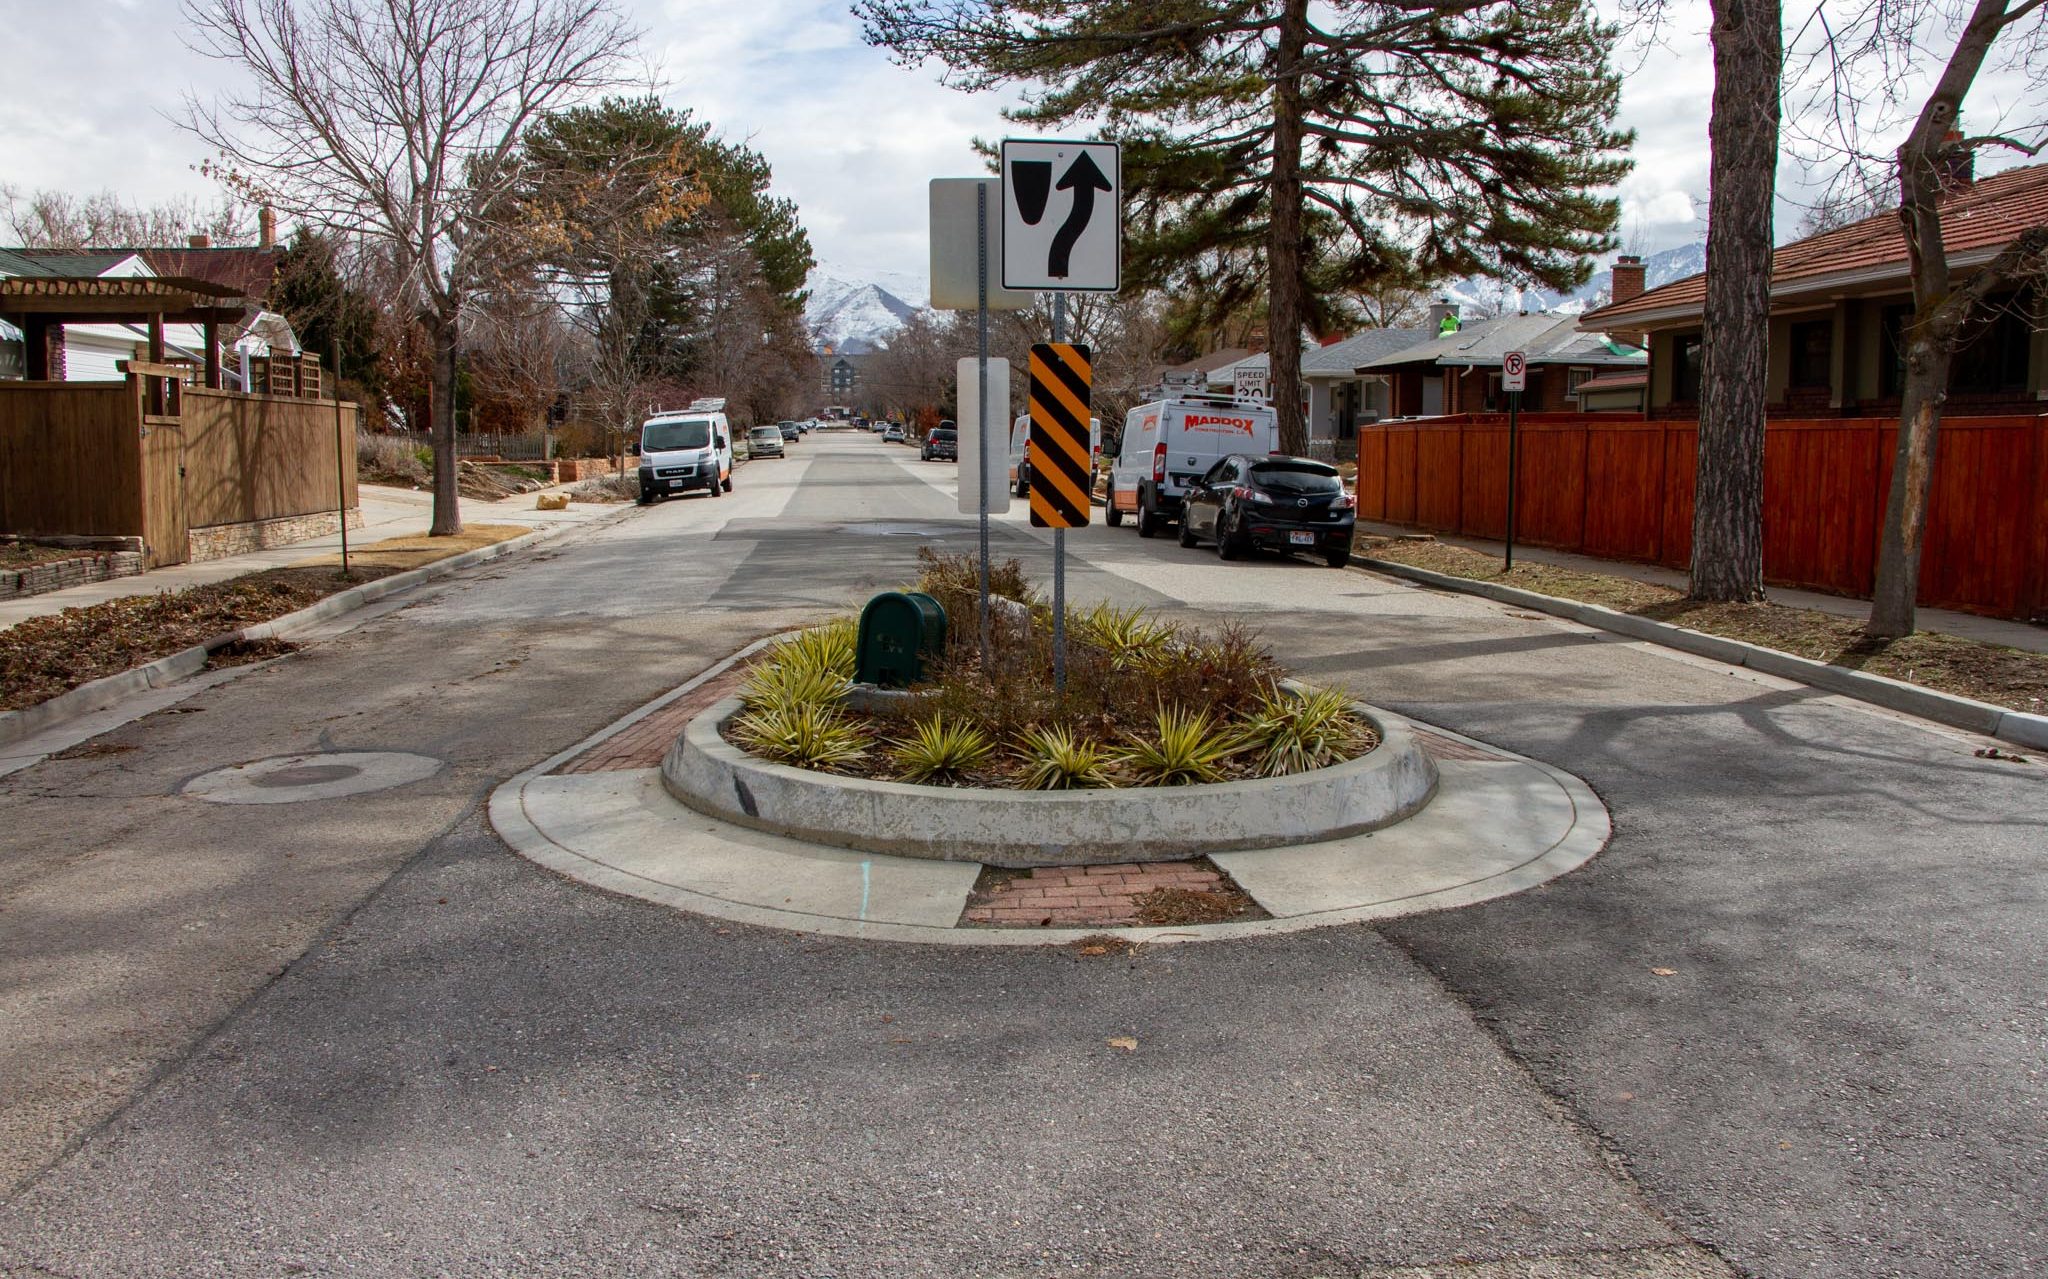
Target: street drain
[{"x": 293, "y": 779}]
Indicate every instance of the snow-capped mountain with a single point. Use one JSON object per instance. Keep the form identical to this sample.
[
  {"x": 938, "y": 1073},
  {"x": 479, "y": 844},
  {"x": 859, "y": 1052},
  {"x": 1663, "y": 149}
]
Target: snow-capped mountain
[
  {"x": 1480, "y": 297},
  {"x": 855, "y": 312}
]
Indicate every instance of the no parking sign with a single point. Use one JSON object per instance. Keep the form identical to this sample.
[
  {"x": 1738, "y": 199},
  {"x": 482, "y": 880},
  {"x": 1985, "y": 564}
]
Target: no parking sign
[{"x": 1514, "y": 371}]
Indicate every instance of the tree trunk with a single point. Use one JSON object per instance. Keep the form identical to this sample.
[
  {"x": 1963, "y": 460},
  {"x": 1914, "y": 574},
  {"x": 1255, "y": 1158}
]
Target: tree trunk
[
  {"x": 1283, "y": 258},
  {"x": 441, "y": 325},
  {"x": 1727, "y": 525},
  {"x": 1929, "y": 339}
]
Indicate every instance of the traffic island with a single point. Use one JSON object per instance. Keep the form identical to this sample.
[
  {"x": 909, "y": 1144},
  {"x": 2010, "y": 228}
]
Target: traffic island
[{"x": 602, "y": 813}]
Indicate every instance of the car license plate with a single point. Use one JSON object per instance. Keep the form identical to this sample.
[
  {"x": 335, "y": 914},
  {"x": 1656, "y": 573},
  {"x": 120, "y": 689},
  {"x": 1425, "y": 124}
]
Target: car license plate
[
  {"x": 1302, "y": 539},
  {"x": 675, "y": 484}
]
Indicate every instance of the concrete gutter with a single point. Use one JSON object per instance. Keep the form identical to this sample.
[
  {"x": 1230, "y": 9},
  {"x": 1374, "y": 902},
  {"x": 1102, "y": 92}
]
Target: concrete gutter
[
  {"x": 102, "y": 693},
  {"x": 2017, "y": 727}
]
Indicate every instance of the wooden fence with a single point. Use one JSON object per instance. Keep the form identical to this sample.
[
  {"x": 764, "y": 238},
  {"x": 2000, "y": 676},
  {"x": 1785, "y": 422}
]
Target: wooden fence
[
  {"x": 85, "y": 458},
  {"x": 1623, "y": 489}
]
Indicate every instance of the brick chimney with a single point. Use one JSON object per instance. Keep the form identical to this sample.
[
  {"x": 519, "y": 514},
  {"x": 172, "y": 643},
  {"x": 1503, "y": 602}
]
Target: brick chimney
[
  {"x": 1628, "y": 279},
  {"x": 266, "y": 228},
  {"x": 1957, "y": 163},
  {"x": 199, "y": 241}
]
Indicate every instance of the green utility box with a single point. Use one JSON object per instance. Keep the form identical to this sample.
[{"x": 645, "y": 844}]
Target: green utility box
[{"x": 899, "y": 630}]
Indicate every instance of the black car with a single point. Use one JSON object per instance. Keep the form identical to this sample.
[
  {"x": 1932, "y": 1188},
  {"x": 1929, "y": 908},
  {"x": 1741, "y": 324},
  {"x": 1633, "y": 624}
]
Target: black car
[
  {"x": 942, "y": 445},
  {"x": 1283, "y": 503}
]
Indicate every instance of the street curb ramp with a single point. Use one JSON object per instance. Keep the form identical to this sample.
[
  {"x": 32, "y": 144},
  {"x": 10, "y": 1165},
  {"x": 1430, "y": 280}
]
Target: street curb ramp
[{"x": 2016, "y": 727}]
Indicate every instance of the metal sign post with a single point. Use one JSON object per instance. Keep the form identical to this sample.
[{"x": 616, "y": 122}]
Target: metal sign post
[
  {"x": 1514, "y": 376},
  {"x": 1059, "y": 539},
  {"x": 340, "y": 448},
  {"x": 981, "y": 394}
]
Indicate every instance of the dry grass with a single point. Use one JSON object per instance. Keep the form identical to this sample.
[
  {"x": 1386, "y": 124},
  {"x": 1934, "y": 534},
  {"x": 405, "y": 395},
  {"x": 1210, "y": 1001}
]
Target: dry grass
[
  {"x": 45, "y": 656},
  {"x": 2009, "y": 677},
  {"x": 397, "y": 554}
]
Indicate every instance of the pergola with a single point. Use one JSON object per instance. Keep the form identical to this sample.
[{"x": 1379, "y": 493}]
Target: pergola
[{"x": 40, "y": 306}]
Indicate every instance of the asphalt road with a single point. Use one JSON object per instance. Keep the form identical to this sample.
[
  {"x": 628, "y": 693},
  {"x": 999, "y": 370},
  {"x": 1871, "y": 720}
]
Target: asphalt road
[{"x": 359, "y": 1036}]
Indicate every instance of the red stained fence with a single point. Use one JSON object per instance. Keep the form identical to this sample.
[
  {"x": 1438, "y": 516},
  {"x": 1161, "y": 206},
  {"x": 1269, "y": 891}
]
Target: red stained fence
[{"x": 1623, "y": 489}]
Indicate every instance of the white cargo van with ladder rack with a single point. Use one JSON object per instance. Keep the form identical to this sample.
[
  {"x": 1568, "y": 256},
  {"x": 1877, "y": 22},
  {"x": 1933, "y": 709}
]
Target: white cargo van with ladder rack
[{"x": 1169, "y": 443}]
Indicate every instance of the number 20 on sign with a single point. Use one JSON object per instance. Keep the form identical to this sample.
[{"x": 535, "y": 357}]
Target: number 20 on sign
[{"x": 1058, "y": 448}]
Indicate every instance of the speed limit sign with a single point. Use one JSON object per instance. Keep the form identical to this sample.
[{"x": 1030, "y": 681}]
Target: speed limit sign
[{"x": 1514, "y": 371}]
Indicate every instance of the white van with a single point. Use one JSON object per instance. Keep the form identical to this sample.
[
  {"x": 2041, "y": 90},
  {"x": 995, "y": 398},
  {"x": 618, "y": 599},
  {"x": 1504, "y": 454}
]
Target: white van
[
  {"x": 1020, "y": 465},
  {"x": 685, "y": 449},
  {"x": 1170, "y": 443}
]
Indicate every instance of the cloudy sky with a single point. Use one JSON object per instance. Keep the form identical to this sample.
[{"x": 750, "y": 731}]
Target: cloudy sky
[{"x": 853, "y": 138}]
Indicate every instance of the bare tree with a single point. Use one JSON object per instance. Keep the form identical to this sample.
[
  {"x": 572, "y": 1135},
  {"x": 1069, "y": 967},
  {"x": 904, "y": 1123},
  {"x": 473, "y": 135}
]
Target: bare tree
[
  {"x": 1867, "y": 78},
  {"x": 395, "y": 120},
  {"x": 65, "y": 223}
]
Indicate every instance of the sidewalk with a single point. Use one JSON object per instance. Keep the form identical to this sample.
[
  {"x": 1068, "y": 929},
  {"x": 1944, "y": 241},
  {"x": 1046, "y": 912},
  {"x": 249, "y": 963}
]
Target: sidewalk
[
  {"x": 387, "y": 513},
  {"x": 1987, "y": 630}
]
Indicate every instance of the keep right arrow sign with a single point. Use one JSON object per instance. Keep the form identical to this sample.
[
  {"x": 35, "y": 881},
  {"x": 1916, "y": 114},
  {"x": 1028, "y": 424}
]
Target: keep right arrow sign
[{"x": 1062, "y": 216}]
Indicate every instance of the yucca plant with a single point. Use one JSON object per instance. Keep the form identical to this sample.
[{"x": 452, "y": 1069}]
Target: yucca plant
[
  {"x": 821, "y": 648},
  {"x": 1126, "y": 634},
  {"x": 940, "y": 750},
  {"x": 1187, "y": 748},
  {"x": 1293, "y": 733},
  {"x": 774, "y": 685},
  {"x": 807, "y": 736},
  {"x": 1056, "y": 758}
]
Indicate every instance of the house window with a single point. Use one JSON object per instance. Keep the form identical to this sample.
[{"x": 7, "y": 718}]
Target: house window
[
  {"x": 1685, "y": 368},
  {"x": 1813, "y": 353},
  {"x": 1572, "y": 378},
  {"x": 1991, "y": 360}
]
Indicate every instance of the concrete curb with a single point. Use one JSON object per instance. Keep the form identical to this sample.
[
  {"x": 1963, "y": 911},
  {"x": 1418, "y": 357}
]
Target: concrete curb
[
  {"x": 2017, "y": 727},
  {"x": 99, "y": 694},
  {"x": 1018, "y": 828}
]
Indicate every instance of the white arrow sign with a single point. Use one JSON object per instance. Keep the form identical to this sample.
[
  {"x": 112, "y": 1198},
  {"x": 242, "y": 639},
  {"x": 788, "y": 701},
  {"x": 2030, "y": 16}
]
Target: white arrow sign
[
  {"x": 1514, "y": 371},
  {"x": 1062, "y": 216}
]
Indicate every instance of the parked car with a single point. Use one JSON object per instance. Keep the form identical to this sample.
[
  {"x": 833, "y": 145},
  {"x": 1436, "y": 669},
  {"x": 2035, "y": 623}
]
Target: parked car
[
  {"x": 1282, "y": 503},
  {"x": 686, "y": 449},
  {"x": 942, "y": 445},
  {"x": 892, "y": 434},
  {"x": 1020, "y": 459},
  {"x": 765, "y": 441},
  {"x": 789, "y": 431},
  {"x": 1171, "y": 443}
]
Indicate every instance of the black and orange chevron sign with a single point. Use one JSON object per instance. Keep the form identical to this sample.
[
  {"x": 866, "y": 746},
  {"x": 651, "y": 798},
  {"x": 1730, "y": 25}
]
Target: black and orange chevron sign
[{"x": 1058, "y": 449}]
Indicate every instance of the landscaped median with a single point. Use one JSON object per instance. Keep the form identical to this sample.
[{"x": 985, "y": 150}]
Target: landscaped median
[
  {"x": 66, "y": 664},
  {"x": 1986, "y": 688}
]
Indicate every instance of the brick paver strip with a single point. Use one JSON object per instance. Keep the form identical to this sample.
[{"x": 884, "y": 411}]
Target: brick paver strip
[
  {"x": 643, "y": 745},
  {"x": 1440, "y": 747},
  {"x": 1067, "y": 896}
]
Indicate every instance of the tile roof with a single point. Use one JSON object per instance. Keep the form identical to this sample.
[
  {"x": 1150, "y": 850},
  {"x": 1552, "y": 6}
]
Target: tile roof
[
  {"x": 1978, "y": 219},
  {"x": 1619, "y": 380},
  {"x": 249, "y": 271}
]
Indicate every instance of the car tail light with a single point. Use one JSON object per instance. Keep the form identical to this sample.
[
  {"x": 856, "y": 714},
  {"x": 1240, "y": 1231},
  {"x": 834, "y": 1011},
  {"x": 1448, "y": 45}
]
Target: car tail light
[
  {"x": 1346, "y": 501},
  {"x": 1159, "y": 463}
]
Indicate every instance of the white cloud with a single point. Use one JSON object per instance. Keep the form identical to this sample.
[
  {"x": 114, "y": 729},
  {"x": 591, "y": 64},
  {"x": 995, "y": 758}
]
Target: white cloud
[{"x": 853, "y": 137}]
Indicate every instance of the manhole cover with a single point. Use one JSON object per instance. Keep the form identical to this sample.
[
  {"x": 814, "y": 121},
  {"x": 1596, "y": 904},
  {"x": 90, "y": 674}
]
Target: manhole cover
[{"x": 292, "y": 779}]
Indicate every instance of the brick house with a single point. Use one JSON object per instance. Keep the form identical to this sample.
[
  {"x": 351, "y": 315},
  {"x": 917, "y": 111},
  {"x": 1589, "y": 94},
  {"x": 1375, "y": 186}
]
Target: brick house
[
  {"x": 1458, "y": 371},
  {"x": 1838, "y": 300}
]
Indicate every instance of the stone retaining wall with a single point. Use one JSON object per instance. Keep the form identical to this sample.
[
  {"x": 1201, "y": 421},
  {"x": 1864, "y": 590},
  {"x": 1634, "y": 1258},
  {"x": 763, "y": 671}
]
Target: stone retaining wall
[
  {"x": 55, "y": 575},
  {"x": 223, "y": 540}
]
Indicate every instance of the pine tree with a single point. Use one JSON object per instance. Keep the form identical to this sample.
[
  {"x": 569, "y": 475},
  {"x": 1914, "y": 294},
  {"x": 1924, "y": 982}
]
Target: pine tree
[{"x": 1310, "y": 157}]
